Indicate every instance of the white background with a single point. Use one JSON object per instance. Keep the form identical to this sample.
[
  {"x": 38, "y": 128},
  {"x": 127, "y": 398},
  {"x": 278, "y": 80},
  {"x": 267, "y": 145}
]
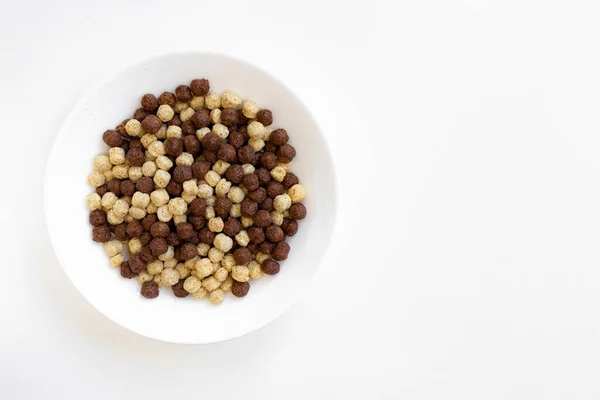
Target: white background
[{"x": 465, "y": 134}]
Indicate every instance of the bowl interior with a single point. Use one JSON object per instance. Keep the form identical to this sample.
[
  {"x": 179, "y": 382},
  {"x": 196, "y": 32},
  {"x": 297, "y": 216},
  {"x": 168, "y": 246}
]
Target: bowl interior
[{"x": 168, "y": 318}]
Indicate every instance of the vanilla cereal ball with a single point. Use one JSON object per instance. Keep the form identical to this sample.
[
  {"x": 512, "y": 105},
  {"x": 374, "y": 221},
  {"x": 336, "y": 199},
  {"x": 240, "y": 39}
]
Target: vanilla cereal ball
[
  {"x": 222, "y": 187},
  {"x": 127, "y": 199},
  {"x": 108, "y": 175},
  {"x": 236, "y": 210},
  {"x": 221, "y": 274},
  {"x": 147, "y": 140},
  {"x": 221, "y": 131},
  {"x": 113, "y": 218},
  {"x": 255, "y": 129},
  {"x": 128, "y": 218},
  {"x": 162, "y": 132},
  {"x": 164, "y": 162},
  {"x": 282, "y": 202},
  {"x": 242, "y": 238},
  {"x": 116, "y": 155},
  {"x": 204, "y": 191},
  {"x": 223, "y": 242},
  {"x": 149, "y": 168},
  {"x": 228, "y": 262},
  {"x": 155, "y": 267},
  {"x": 203, "y": 268},
  {"x": 96, "y": 178},
  {"x": 215, "y": 224},
  {"x": 113, "y": 247},
  {"x": 108, "y": 200},
  {"x": 203, "y": 249},
  {"x": 94, "y": 201},
  {"x": 121, "y": 208},
  {"x": 162, "y": 178},
  {"x": 172, "y": 263},
  {"x": 257, "y": 144},
  {"x": 135, "y": 173},
  {"x": 235, "y": 194},
  {"x": 174, "y": 131},
  {"x": 250, "y": 109},
  {"x": 137, "y": 212},
  {"x": 133, "y": 127},
  {"x": 192, "y": 284},
  {"x": 117, "y": 260},
  {"x": 186, "y": 114},
  {"x": 247, "y": 222},
  {"x": 188, "y": 198},
  {"x": 285, "y": 166},
  {"x": 177, "y": 206},
  {"x": 215, "y": 116},
  {"x": 144, "y": 276},
  {"x": 210, "y": 212},
  {"x": 190, "y": 187},
  {"x": 278, "y": 173},
  {"x": 220, "y": 167},
  {"x": 201, "y": 293},
  {"x": 231, "y": 99},
  {"x": 260, "y": 257},
  {"x": 215, "y": 255},
  {"x": 185, "y": 159},
  {"x": 156, "y": 278},
  {"x": 267, "y": 133},
  {"x": 121, "y": 171},
  {"x": 226, "y": 284},
  {"x": 165, "y": 113},
  {"x": 217, "y": 296},
  {"x": 277, "y": 217},
  {"x": 102, "y": 163},
  {"x": 255, "y": 271},
  {"x": 197, "y": 102},
  {"x": 200, "y": 133},
  {"x": 182, "y": 270},
  {"x": 211, "y": 201},
  {"x": 140, "y": 199},
  {"x": 180, "y": 219},
  {"x": 135, "y": 245},
  {"x": 149, "y": 156},
  {"x": 191, "y": 264},
  {"x": 167, "y": 255},
  {"x": 212, "y": 100},
  {"x": 211, "y": 177},
  {"x": 180, "y": 107},
  {"x": 210, "y": 283},
  {"x": 248, "y": 169},
  {"x": 164, "y": 214},
  {"x": 157, "y": 149},
  {"x": 297, "y": 193},
  {"x": 159, "y": 197},
  {"x": 240, "y": 273},
  {"x": 169, "y": 276}
]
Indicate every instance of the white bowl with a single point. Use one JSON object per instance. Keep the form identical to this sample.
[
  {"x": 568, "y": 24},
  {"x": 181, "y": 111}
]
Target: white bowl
[{"x": 168, "y": 318}]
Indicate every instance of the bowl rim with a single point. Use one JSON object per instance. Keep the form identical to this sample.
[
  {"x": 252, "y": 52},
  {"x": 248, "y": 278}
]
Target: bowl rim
[{"x": 135, "y": 64}]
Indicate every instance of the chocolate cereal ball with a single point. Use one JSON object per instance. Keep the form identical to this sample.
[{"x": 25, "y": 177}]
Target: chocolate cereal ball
[
  {"x": 229, "y": 117},
  {"x": 297, "y": 211},
  {"x": 265, "y": 117},
  {"x": 263, "y": 175},
  {"x": 235, "y": 174},
  {"x": 274, "y": 189},
  {"x": 187, "y": 251},
  {"x": 192, "y": 145},
  {"x": 200, "y": 87},
  {"x": 146, "y": 254},
  {"x": 197, "y": 207},
  {"x": 236, "y": 139},
  {"x": 211, "y": 142},
  {"x": 266, "y": 247},
  {"x": 242, "y": 256},
  {"x": 290, "y": 180},
  {"x": 200, "y": 168},
  {"x": 210, "y": 156},
  {"x": 178, "y": 289},
  {"x": 286, "y": 153},
  {"x": 136, "y": 144},
  {"x": 101, "y": 234},
  {"x": 120, "y": 232},
  {"x": 270, "y": 267},
  {"x": 126, "y": 272},
  {"x": 148, "y": 220},
  {"x": 250, "y": 182},
  {"x": 279, "y": 137},
  {"x": 246, "y": 155},
  {"x": 183, "y": 93},
  {"x": 281, "y": 251},
  {"x": 145, "y": 185},
  {"x": 173, "y": 239},
  {"x": 226, "y": 153},
  {"x": 174, "y": 146},
  {"x": 248, "y": 208},
  {"x": 174, "y": 189},
  {"x": 135, "y": 156},
  {"x": 160, "y": 229},
  {"x": 158, "y": 246},
  {"x": 182, "y": 173},
  {"x": 289, "y": 227},
  {"x": 259, "y": 195},
  {"x": 267, "y": 204},
  {"x": 149, "y": 102},
  {"x": 102, "y": 189},
  {"x": 146, "y": 238},
  {"x": 175, "y": 121},
  {"x": 140, "y": 114},
  {"x": 114, "y": 185},
  {"x": 256, "y": 234},
  {"x": 134, "y": 228},
  {"x": 222, "y": 206},
  {"x": 263, "y": 218},
  {"x": 268, "y": 160},
  {"x": 197, "y": 221},
  {"x": 112, "y": 138},
  {"x": 200, "y": 119},
  {"x": 167, "y": 98},
  {"x": 151, "y": 124},
  {"x": 232, "y": 227},
  {"x": 137, "y": 264},
  {"x": 128, "y": 187},
  {"x": 97, "y": 218},
  {"x": 187, "y": 127},
  {"x": 206, "y": 236},
  {"x": 274, "y": 234},
  {"x": 185, "y": 231},
  {"x": 240, "y": 289},
  {"x": 149, "y": 290}
]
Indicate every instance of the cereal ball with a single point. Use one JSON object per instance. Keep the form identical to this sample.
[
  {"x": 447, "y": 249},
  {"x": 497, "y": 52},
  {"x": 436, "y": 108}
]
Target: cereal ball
[
  {"x": 281, "y": 251},
  {"x": 135, "y": 245},
  {"x": 197, "y": 102},
  {"x": 210, "y": 283},
  {"x": 140, "y": 114},
  {"x": 164, "y": 163},
  {"x": 140, "y": 199},
  {"x": 112, "y": 248},
  {"x": 240, "y": 289},
  {"x": 155, "y": 267},
  {"x": 235, "y": 138},
  {"x": 158, "y": 246},
  {"x": 250, "y": 109},
  {"x": 159, "y": 197},
  {"x": 203, "y": 268},
  {"x": 200, "y": 87},
  {"x": 279, "y": 137},
  {"x": 174, "y": 189},
  {"x": 137, "y": 264},
  {"x": 108, "y": 200},
  {"x": 149, "y": 102},
  {"x": 250, "y": 182},
  {"x": 215, "y": 224},
  {"x": 201, "y": 119},
  {"x": 185, "y": 231},
  {"x": 227, "y": 117},
  {"x": 228, "y": 262},
  {"x": 94, "y": 201},
  {"x": 221, "y": 274},
  {"x": 102, "y": 162},
  {"x": 246, "y": 155},
  {"x": 235, "y": 194},
  {"x": 182, "y": 270},
  {"x": 190, "y": 187},
  {"x": 145, "y": 240},
  {"x": 247, "y": 222},
  {"x": 282, "y": 202},
  {"x": 187, "y": 127},
  {"x": 215, "y": 116},
  {"x": 197, "y": 207},
  {"x": 96, "y": 178},
  {"x": 278, "y": 173},
  {"x": 206, "y": 236},
  {"x": 240, "y": 273},
  {"x": 192, "y": 146},
  {"x": 200, "y": 133},
  {"x": 149, "y": 290},
  {"x": 268, "y": 160},
  {"x": 151, "y": 208},
  {"x": 161, "y": 178},
  {"x": 97, "y": 218},
  {"x": 145, "y": 185},
  {"x": 135, "y": 173},
  {"x": 212, "y": 178},
  {"x": 205, "y": 191},
  {"x": 260, "y": 257},
  {"x": 297, "y": 211},
  {"x": 167, "y": 98},
  {"x": 215, "y": 255},
  {"x": 221, "y": 131},
  {"x": 162, "y": 132},
  {"x": 149, "y": 169},
  {"x": 120, "y": 171},
  {"x": 289, "y": 227},
  {"x": 151, "y": 124},
  {"x": 173, "y": 146},
  {"x": 165, "y": 113},
  {"x": 169, "y": 276},
  {"x": 200, "y": 294},
  {"x": 133, "y": 127},
  {"x": 186, "y": 115},
  {"x": 185, "y": 159},
  {"x": 127, "y": 187},
  {"x": 108, "y": 175},
  {"x": 210, "y": 156},
  {"x": 187, "y": 251},
  {"x": 236, "y": 211},
  {"x": 200, "y": 168},
  {"x": 112, "y": 218},
  {"x": 135, "y": 157},
  {"x": 265, "y": 117},
  {"x": 164, "y": 214},
  {"x": 120, "y": 208},
  {"x": 286, "y": 153},
  {"x": 226, "y": 284},
  {"x": 231, "y": 100},
  {"x": 223, "y": 242},
  {"x": 226, "y": 153},
  {"x": 160, "y": 229},
  {"x": 242, "y": 256},
  {"x": 270, "y": 267},
  {"x": 134, "y": 229},
  {"x": 183, "y": 93},
  {"x": 212, "y": 100},
  {"x": 249, "y": 208},
  {"x": 157, "y": 148},
  {"x": 126, "y": 272},
  {"x": 101, "y": 234},
  {"x": 277, "y": 217},
  {"x": 180, "y": 219},
  {"x": 192, "y": 284},
  {"x": 112, "y": 138},
  {"x": 203, "y": 249},
  {"x": 178, "y": 289},
  {"x": 116, "y": 155},
  {"x": 259, "y": 195},
  {"x": 217, "y": 296},
  {"x": 242, "y": 238},
  {"x": 175, "y": 121},
  {"x": 291, "y": 180},
  {"x": 232, "y": 227},
  {"x": 274, "y": 234},
  {"x": 222, "y": 188},
  {"x": 174, "y": 132},
  {"x": 222, "y": 207},
  {"x": 177, "y": 206},
  {"x": 256, "y": 234},
  {"x": 144, "y": 276},
  {"x": 263, "y": 218},
  {"x": 255, "y": 271},
  {"x": 168, "y": 255},
  {"x": 255, "y": 130}
]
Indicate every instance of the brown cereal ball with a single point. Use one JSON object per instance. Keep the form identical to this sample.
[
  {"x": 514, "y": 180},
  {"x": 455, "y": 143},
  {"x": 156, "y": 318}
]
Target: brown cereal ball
[
  {"x": 102, "y": 190},
  {"x": 126, "y": 272},
  {"x": 253, "y": 248},
  {"x": 242, "y": 256},
  {"x": 201, "y": 119},
  {"x": 200, "y": 87},
  {"x": 297, "y": 211},
  {"x": 270, "y": 147},
  {"x": 206, "y": 236},
  {"x": 236, "y": 139},
  {"x": 235, "y": 173},
  {"x": 167, "y": 98},
  {"x": 192, "y": 145},
  {"x": 173, "y": 239},
  {"x": 148, "y": 220},
  {"x": 178, "y": 289},
  {"x": 242, "y": 119},
  {"x": 121, "y": 128},
  {"x": 185, "y": 231},
  {"x": 290, "y": 180},
  {"x": 149, "y": 102},
  {"x": 158, "y": 246},
  {"x": 135, "y": 144},
  {"x": 270, "y": 267},
  {"x": 210, "y": 156},
  {"x": 174, "y": 146},
  {"x": 268, "y": 160},
  {"x": 289, "y": 227},
  {"x": 187, "y": 128},
  {"x": 175, "y": 121},
  {"x": 281, "y": 251},
  {"x": 198, "y": 221},
  {"x": 146, "y": 254},
  {"x": 279, "y": 137},
  {"x": 140, "y": 114},
  {"x": 266, "y": 247},
  {"x": 128, "y": 187},
  {"x": 120, "y": 231},
  {"x": 160, "y": 229},
  {"x": 135, "y": 157},
  {"x": 263, "y": 218},
  {"x": 265, "y": 117},
  {"x": 267, "y": 204},
  {"x": 183, "y": 93},
  {"x": 194, "y": 239},
  {"x": 174, "y": 188},
  {"x": 248, "y": 208},
  {"x": 263, "y": 175},
  {"x": 246, "y": 155},
  {"x": 145, "y": 185},
  {"x": 226, "y": 153},
  {"x": 222, "y": 206},
  {"x": 114, "y": 185},
  {"x": 240, "y": 289},
  {"x": 200, "y": 168},
  {"x": 187, "y": 251},
  {"x": 149, "y": 290},
  {"x": 286, "y": 153},
  {"x": 256, "y": 234},
  {"x": 97, "y": 218},
  {"x": 211, "y": 142},
  {"x": 112, "y": 138},
  {"x": 101, "y": 234},
  {"x": 182, "y": 173},
  {"x": 151, "y": 124},
  {"x": 137, "y": 264},
  {"x": 258, "y": 195},
  {"x": 146, "y": 238},
  {"x": 232, "y": 227},
  {"x": 229, "y": 117},
  {"x": 274, "y": 189},
  {"x": 134, "y": 228},
  {"x": 197, "y": 207},
  {"x": 274, "y": 234},
  {"x": 250, "y": 182}
]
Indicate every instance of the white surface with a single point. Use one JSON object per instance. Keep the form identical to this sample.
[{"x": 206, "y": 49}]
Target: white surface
[
  {"x": 468, "y": 264},
  {"x": 168, "y": 318}
]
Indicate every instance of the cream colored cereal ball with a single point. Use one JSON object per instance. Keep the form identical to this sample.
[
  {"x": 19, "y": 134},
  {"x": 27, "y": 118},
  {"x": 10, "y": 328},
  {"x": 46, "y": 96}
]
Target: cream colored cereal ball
[
  {"x": 150, "y": 156},
  {"x": 113, "y": 218},
  {"x": 192, "y": 284},
  {"x": 190, "y": 187},
  {"x": 102, "y": 163},
  {"x": 117, "y": 260},
  {"x": 257, "y": 144},
  {"x": 222, "y": 187},
  {"x": 236, "y": 210},
  {"x": 157, "y": 148},
  {"x": 231, "y": 99},
  {"x": 135, "y": 173},
  {"x": 140, "y": 199},
  {"x": 167, "y": 255},
  {"x": 248, "y": 169},
  {"x": 185, "y": 159},
  {"x": 113, "y": 247},
  {"x": 200, "y": 294},
  {"x": 297, "y": 193},
  {"x": 240, "y": 273},
  {"x": 215, "y": 255},
  {"x": 94, "y": 201},
  {"x": 177, "y": 206},
  {"x": 203, "y": 249},
  {"x": 221, "y": 131},
  {"x": 250, "y": 109},
  {"x": 282, "y": 202},
  {"x": 96, "y": 178},
  {"x": 164, "y": 162},
  {"x": 147, "y": 140},
  {"x": 217, "y": 296},
  {"x": 215, "y": 116},
  {"x": 220, "y": 167},
  {"x": 172, "y": 263},
  {"x": 163, "y": 213},
  {"x": 212, "y": 100},
  {"x": 108, "y": 175},
  {"x": 180, "y": 107},
  {"x": 165, "y": 113},
  {"x": 121, "y": 171},
  {"x": 221, "y": 274},
  {"x": 216, "y": 224},
  {"x": 260, "y": 257},
  {"x": 200, "y": 133},
  {"x": 210, "y": 212},
  {"x": 247, "y": 222},
  {"x": 128, "y": 218},
  {"x": 188, "y": 197},
  {"x": 226, "y": 284},
  {"x": 187, "y": 114},
  {"x": 159, "y": 197},
  {"x": 116, "y": 155},
  {"x": 121, "y": 208},
  {"x": 211, "y": 177},
  {"x": 205, "y": 191},
  {"x": 267, "y": 133},
  {"x": 255, "y": 271},
  {"x": 137, "y": 212},
  {"x": 162, "y": 132},
  {"x": 236, "y": 194},
  {"x": 242, "y": 238},
  {"x": 228, "y": 262},
  {"x": 149, "y": 168},
  {"x": 277, "y": 217},
  {"x": 169, "y": 276},
  {"x": 203, "y": 267},
  {"x": 174, "y": 132},
  {"x": 210, "y": 283},
  {"x": 155, "y": 267},
  {"x": 223, "y": 242},
  {"x": 211, "y": 201},
  {"x": 108, "y": 200},
  {"x": 197, "y": 102},
  {"x": 135, "y": 245},
  {"x": 255, "y": 129},
  {"x": 191, "y": 263},
  {"x": 278, "y": 173},
  {"x": 180, "y": 219},
  {"x": 133, "y": 127},
  {"x": 182, "y": 270},
  {"x": 162, "y": 178},
  {"x": 144, "y": 276}
]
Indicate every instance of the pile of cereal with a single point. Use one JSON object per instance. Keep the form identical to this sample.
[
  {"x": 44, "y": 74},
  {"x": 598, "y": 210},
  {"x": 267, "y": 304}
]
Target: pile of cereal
[{"x": 195, "y": 194}]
